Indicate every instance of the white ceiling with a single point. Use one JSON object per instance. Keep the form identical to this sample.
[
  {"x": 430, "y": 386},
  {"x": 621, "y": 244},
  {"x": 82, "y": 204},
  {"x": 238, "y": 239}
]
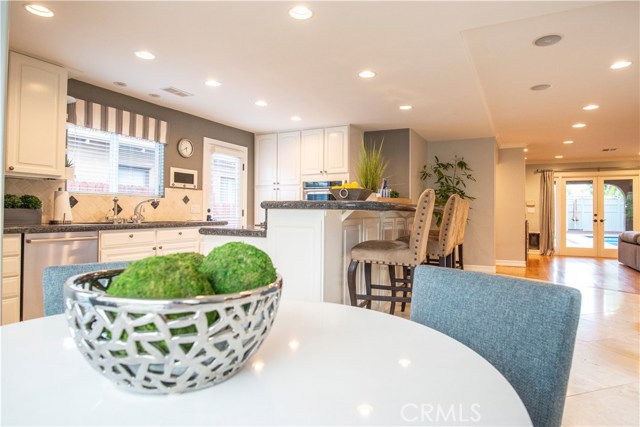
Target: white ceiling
[{"x": 465, "y": 67}]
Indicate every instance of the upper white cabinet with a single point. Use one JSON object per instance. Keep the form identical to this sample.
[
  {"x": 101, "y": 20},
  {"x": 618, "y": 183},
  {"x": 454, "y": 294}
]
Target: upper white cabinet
[
  {"x": 277, "y": 169},
  {"x": 329, "y": 151},
  {"x": 36, "y": 117}
]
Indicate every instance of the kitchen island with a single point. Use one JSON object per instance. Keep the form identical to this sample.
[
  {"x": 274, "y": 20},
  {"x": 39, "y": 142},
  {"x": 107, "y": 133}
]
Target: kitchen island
[{"x": 310, "y": 241}]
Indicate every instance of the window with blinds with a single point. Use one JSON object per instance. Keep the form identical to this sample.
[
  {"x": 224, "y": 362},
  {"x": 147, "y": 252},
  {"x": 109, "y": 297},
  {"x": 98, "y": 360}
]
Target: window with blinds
[
  {"x": 226, "y": 179},
  {"x": 108, "y": 163}
]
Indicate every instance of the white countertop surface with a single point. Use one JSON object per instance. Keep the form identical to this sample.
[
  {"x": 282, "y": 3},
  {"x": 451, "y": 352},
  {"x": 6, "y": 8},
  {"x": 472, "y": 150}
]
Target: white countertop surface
[{"x": 322, "y": 364}]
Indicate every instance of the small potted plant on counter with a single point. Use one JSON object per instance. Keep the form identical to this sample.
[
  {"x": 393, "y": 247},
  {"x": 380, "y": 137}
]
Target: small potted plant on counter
[{"x": 22, "y": 210}]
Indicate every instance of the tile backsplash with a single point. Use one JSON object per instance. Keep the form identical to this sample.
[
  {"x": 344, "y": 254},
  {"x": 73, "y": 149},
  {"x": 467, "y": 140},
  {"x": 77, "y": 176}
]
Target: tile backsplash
[{"x": 176, "y": 205}]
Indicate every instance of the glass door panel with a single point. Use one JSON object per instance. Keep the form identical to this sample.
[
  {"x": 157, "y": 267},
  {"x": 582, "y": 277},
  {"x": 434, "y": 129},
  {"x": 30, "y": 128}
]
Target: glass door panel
[
  {"x": 617, "y": 206},
  {"x": 579, "y": 208}
]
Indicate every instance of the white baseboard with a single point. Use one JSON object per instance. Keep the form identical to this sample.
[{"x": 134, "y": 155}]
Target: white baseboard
[
  {"x": 510, "y": 263},
  {"x": 534, "y": 251},
  {"x": 481, "y": 268}
]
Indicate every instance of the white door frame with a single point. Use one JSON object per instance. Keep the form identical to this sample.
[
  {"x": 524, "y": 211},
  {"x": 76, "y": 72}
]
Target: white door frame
[
  {"x": 598, "y": 233},
  {"x": 209, "y": 146}
]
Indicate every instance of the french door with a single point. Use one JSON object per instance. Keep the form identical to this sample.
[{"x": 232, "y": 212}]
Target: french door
[
  {"x": 225, "y": 182},
  {"x": 593, "y": 210}
]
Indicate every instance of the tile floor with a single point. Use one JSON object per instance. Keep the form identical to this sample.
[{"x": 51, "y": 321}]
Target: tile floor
[{"x": 604, "y": 383}]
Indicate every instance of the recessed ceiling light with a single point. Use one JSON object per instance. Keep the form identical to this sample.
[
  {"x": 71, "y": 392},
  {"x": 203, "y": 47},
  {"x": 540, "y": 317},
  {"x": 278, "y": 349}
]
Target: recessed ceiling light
[
  {"x": 296, "y": 118},
  {"x": 36, "y": 9},
  {"x": 121, "y": 84},
  {"x": 558, "y": 157},
  {"x": 213, "y": 83},
  {"x": 525, "y": 150},
  {"x": 525, "y": 158},
  {"x": 300, "y": 12},
  {"x": 540, "y": 87},
  {"x": 154, "y": 95},
  {"x": 143, "y": 54},
  {"x": 567, "y": 142},
  {"x": 548, "y": 40},
  {"x": 591, "y": 107},
  {"x": 578, "y": 125},
  {"x": 366, "y": 74},
  {"x": 406, "y": 107},
  {"x": 620, "y": 64},
  {"x": 261, "y": 103}
]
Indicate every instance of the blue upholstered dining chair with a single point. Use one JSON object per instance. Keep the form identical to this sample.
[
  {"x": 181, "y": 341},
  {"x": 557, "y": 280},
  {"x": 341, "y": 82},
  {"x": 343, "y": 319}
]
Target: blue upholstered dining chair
[
  {"x": 53, "y": 279},
  {"x": 525, "y": 329}
]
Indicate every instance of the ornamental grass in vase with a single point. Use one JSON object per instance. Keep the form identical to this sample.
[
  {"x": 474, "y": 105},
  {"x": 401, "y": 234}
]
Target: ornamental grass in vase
[{"x": 371, "y": 166}]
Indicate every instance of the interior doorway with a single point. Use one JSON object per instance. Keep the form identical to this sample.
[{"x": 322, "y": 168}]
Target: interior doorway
[
  {"x": 592, "y": 210},
  {"x": 225, "y": 182}
]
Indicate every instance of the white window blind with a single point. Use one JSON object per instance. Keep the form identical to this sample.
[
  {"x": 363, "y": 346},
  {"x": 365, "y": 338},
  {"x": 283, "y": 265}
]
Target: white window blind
[
  {"x": 108, "y": 163},
  {"x": 226, "y": 175}
]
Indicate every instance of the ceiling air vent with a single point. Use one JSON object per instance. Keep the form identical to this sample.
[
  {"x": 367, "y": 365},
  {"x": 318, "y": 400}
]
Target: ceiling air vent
[
  {"x": 609, "y": 149},
  {"x": 177, "y": 92}
]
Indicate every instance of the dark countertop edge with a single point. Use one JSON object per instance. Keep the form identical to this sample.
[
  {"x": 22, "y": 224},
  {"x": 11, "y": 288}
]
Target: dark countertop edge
[
  {"x": 350, "y": 205},
  {"x": 237, "y": 232},
  {"x": 48, "y": 228}
]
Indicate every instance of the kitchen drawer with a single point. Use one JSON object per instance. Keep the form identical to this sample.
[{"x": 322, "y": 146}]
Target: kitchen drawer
[
  {"x": 11, "y": 245},
  {"x": 10, "y": 310},
  {"x": 122, "y": 238},
  {"x": 11, "y": 287},
  {"x": 172, "y": 235},
  {"x": 10, "y": 266}
]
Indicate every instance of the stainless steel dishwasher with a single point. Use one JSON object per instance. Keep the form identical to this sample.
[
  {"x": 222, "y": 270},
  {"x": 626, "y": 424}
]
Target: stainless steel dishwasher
[{"x": 44, "y": 249}]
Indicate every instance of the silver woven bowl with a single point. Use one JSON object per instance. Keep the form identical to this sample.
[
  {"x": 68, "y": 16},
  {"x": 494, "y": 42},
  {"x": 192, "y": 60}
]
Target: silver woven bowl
[
  {"x": 167, "y": 346},
  {"x": 350, "y": 193}
]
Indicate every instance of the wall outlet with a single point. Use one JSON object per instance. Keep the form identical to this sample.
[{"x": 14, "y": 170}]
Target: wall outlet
[{"x": 195, "y": 209}]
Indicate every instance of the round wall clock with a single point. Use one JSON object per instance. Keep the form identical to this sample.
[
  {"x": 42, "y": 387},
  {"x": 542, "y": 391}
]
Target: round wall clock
[{"x": 185, "y": 147}]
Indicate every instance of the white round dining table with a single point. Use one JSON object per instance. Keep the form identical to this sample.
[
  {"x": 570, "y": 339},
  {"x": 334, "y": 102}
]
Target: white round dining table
[{"x": 321, "y": 364}]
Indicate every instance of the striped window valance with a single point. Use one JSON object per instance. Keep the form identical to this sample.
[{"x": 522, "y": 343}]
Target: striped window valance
[{"x": 109, "y": 119}]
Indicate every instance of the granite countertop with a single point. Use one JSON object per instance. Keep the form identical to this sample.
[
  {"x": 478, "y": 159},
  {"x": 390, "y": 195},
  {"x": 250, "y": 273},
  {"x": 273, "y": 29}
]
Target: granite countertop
[
  {"x": 236, "y": 232},
  {"x": 101, "y": 226},
  {"x": 345, "y": 205}
]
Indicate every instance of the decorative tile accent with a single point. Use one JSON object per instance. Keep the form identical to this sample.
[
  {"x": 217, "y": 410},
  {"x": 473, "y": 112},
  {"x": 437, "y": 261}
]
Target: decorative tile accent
[
  {"x": 185, "y": 199},
  {"x": 119, "y": 209},
  {"x": 72, "y": 201}
]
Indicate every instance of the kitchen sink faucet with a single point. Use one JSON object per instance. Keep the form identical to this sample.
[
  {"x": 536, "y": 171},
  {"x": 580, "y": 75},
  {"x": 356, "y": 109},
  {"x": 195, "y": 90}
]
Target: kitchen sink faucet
[
  {"x": 116, "y": 210},
  {"x": 137, "y": 216}
]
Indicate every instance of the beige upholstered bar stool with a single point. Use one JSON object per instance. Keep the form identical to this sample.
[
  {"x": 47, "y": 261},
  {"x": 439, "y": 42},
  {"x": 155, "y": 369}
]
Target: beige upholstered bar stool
[
  {"x": 392, "y": 253},
  {"x": 463, "y": 215},
  {"x": 442, "y": 247}
]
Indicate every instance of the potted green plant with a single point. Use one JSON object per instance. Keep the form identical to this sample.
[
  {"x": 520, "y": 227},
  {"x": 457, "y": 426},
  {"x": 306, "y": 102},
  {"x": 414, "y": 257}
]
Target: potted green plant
[
  {"x": 21, "y": 210},
  {"x": 450, "y": 178},
  {"x": 371, "y": 166},
  {"x": 69, "y": 169}
]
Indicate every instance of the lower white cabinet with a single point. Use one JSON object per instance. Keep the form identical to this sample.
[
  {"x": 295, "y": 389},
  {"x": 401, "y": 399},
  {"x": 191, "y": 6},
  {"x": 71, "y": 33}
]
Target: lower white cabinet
[
  {"x": 132, "y": 245},
  {"x": 11, "y": 260},
  {"x": 271, "y": 193}
]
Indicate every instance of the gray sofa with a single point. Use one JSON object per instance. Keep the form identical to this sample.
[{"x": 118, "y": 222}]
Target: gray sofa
[{"x": 629, "y": 249}]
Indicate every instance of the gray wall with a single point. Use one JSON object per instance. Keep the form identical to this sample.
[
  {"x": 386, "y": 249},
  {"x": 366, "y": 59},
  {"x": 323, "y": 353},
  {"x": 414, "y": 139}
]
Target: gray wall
[
  {"x": 510, "y": 207},
  {"x": 4, "y": 61},
  {"x": 179, "y": 125},
  {"x": 481, "y": 155},
  {"x": 395, "y": 149}
]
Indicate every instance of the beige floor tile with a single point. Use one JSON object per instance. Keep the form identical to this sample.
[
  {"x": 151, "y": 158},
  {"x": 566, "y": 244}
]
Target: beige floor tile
[
  {"x": 597, "y": 367},
  {"x": 615, "y": 406}
]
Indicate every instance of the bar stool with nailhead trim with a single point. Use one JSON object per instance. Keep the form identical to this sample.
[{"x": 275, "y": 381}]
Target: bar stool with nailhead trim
[
  {"x": 392, "y": 253},
  {"x": 441, "y": 244}
]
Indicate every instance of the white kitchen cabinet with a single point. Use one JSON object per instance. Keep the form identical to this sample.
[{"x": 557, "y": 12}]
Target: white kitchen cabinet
[
  {"x": 11, "y": 261},
  {"x": 131, "y": 245},
  {"x": 277, "y": 169},
  {"x": 330, "y": 153},
  {"x": 36, "y": 117}
]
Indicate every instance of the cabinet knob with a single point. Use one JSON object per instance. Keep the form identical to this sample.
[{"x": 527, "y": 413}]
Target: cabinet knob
[
  {"x": 11, "y": 168},
  {"x": 131, "y": 236},
  {"x": 159, "y": 247},
  {"x": 274, "y": 183},
  {"x": 180, "y": 233},
  {"x": 154, "y": 248},
  {"x": 320, "y": 171}
]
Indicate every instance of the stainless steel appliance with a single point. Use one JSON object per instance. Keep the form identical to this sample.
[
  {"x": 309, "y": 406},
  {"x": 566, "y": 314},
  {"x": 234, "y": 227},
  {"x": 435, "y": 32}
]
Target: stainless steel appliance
[
  {"x": 318, "y": 190},
  {"x": 44, "y": 249}
]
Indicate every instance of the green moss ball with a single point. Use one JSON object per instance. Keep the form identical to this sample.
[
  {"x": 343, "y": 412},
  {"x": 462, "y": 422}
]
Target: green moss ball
[
  {"x": 236, "y": 267},
  {"x": 163, "y": 277}
]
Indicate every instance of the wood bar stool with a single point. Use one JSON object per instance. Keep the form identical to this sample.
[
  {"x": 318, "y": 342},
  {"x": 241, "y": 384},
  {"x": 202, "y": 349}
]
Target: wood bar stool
[
  {"x": 463, "y": 215},
  {"x": 441, "y": 247},
  {"x": 392, "y": 253}
]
